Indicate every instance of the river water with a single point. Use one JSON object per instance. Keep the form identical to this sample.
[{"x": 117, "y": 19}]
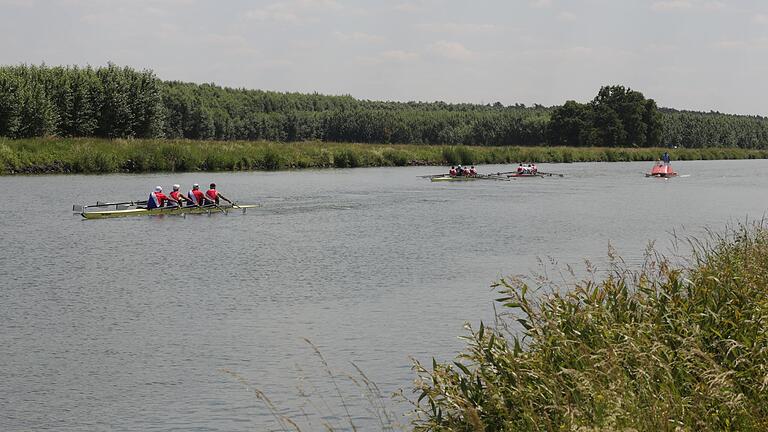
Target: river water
[{"x": 131, "y": 324}]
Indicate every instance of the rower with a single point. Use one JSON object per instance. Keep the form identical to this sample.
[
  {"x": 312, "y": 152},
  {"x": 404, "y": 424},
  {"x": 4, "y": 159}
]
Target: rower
[
  {"x": 452, "y": 172},
  {"x": 472, "y": 171},
  {"x": 214, "y": 195},
  {"x": 466, "y": 172},
  {"x": 158, "y": 199},
  {"x": 520, "y": 168},
  {"x": 176, "y": 195},
  {"x": 196, "y": 197}
]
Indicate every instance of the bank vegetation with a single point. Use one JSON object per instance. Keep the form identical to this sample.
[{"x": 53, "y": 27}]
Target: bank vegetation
[
  {"x": 83, "y": 155},
  {"x": 669, "y": 347}
]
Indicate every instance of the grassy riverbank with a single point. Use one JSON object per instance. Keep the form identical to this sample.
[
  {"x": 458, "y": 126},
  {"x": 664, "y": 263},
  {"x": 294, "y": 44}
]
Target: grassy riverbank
[
  {"x": 663, "y": 348},
  {"x": 54, "y": 155}
]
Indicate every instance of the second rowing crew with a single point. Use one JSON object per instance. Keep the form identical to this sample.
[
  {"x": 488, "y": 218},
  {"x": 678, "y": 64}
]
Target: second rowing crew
[
  {"x": 462, "y": 171},
  {"x": 195, "y": 197}
]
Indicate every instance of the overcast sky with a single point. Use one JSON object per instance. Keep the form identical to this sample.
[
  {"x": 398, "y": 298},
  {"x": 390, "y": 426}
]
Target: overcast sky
[{"x": 686, "y": 54}]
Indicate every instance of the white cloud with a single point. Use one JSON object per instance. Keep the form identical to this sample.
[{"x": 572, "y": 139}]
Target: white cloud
[
  {"x": 541, "y": 3},
  {"x": 566, "y": 16},
  {"x": 714, "y": 6},
  {"x": 275, "y": 13},
  {"x": 743, "y": 45},
  {"x": 760, "y": 19},
  {"x": 407, "y": 7},
  {"x": 672, "y": 5},
  {"x": 358, "y": 37},
  {"x": 399, "y": 55},
  {"x": 294, "y": 12},
  {"x": 452, "y": 50},
  {"x": 230, "y": 43},
  {"x": 460, "y": 28},
  {"x": 18, "y": 3}
]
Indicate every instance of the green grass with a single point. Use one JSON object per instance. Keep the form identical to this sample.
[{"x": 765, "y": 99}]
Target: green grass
[
  {"x": 663, "y": 348},
  {"x": 58, "y": 155}
]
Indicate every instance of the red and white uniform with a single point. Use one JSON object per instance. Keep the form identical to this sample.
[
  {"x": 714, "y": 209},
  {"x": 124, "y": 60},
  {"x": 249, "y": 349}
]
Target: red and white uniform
[
  {"x": 157, "y": 200},
  {"x": 196, "y": 196},
  {"x": 176, "y": 195},
  {"x": 472, "y": 172},
  {"x": 452, "y": 172},
  {"x": 212, "y": 195}
]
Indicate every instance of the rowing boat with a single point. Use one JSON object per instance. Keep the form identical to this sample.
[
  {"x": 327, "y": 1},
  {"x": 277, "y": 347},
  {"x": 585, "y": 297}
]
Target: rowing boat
[
  {"x": 663, "y": 170},
  {"x": 525, "y": 174},
  {"x": 447, "y": 178},
  {"x": 166, "y": 211},
  {"x": 454, "y": 178}
]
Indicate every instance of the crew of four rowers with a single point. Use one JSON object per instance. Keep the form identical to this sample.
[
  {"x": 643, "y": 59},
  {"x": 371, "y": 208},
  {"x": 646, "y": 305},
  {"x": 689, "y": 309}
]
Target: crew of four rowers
[
  {"x": 195, "y": 197},
  {"x": 459, "y": 171}
]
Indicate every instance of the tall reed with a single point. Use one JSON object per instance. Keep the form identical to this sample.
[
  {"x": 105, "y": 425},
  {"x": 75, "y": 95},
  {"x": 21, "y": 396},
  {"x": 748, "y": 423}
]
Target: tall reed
[{"x": 663, "y": 348}]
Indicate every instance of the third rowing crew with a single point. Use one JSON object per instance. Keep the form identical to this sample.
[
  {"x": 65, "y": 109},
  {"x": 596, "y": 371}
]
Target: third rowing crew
[
  {"x": 195, "y": 197},
  {"x": 459, "y": 171},
  {"x": 527, "y": 169}
]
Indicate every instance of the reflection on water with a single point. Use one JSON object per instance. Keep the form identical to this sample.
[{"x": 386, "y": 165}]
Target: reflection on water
[{"x": 126, "y": 324}]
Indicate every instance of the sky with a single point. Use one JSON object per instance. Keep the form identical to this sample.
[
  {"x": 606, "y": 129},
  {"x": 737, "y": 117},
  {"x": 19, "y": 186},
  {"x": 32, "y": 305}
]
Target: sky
[{"x": 701, "y": 55}]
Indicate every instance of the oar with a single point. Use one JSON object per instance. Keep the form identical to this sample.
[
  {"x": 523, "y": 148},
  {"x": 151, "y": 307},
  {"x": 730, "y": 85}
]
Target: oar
[
  {"x": 214, "y": 205},
  {"x": 490, "y": 177},
  {"x": 550, "y": 174},
  {"x": 80, "y": 208},
  {"x": 508, "y": 172},
  {"x": 432, "y": 175}
]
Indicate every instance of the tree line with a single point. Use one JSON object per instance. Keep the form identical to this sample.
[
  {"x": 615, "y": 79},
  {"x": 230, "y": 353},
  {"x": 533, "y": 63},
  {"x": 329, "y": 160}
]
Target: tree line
[{"x": 120, "y": 102}]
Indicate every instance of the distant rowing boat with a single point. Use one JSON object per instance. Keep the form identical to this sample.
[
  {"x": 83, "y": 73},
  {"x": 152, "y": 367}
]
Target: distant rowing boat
[
  {"x": 663, "y": 170},
  {"x": 105, "y": 214},
  {"x": 448, "y": 178}
]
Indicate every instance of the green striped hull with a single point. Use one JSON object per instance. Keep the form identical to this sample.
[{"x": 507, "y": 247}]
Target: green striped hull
[
  {"x": 448, "y": 178},
  {"x": 165, "y": 211}
]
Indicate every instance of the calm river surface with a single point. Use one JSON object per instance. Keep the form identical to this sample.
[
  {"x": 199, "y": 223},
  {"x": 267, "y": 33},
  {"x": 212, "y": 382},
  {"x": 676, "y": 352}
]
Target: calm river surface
[{"x": 127, "y": 324}]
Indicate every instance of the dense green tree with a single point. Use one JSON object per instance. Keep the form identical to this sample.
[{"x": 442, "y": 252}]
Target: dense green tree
[{"x": 116, "y": 102}]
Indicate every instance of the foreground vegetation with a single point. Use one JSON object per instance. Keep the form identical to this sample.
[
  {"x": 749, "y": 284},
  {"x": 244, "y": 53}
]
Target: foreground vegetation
[
  {"x": 135, "y": 156},
  {"x": 663, "y": 348},
  {"x": 115, "y": 102}
]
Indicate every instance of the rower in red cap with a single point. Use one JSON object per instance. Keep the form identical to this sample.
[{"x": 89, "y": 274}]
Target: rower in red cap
[{"x": 214, "y": 195}]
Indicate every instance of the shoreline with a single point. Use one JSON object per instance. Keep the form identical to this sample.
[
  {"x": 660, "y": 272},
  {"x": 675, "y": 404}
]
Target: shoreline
[{"x": 120, "y": 156}]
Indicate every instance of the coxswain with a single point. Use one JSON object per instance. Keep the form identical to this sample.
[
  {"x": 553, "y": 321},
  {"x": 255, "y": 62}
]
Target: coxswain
[
  {"x": 665, "y": 158},
  {"x": 472, "y": 171},
  {"x": 452, "y": 172},
  {"x": 459, "y": 170},
  {"x": 158, "y": 199},
  {"x": 196, "y": 197},
  {"x": 177, "y": 196},
  {"x": 214, "y": 195}
]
